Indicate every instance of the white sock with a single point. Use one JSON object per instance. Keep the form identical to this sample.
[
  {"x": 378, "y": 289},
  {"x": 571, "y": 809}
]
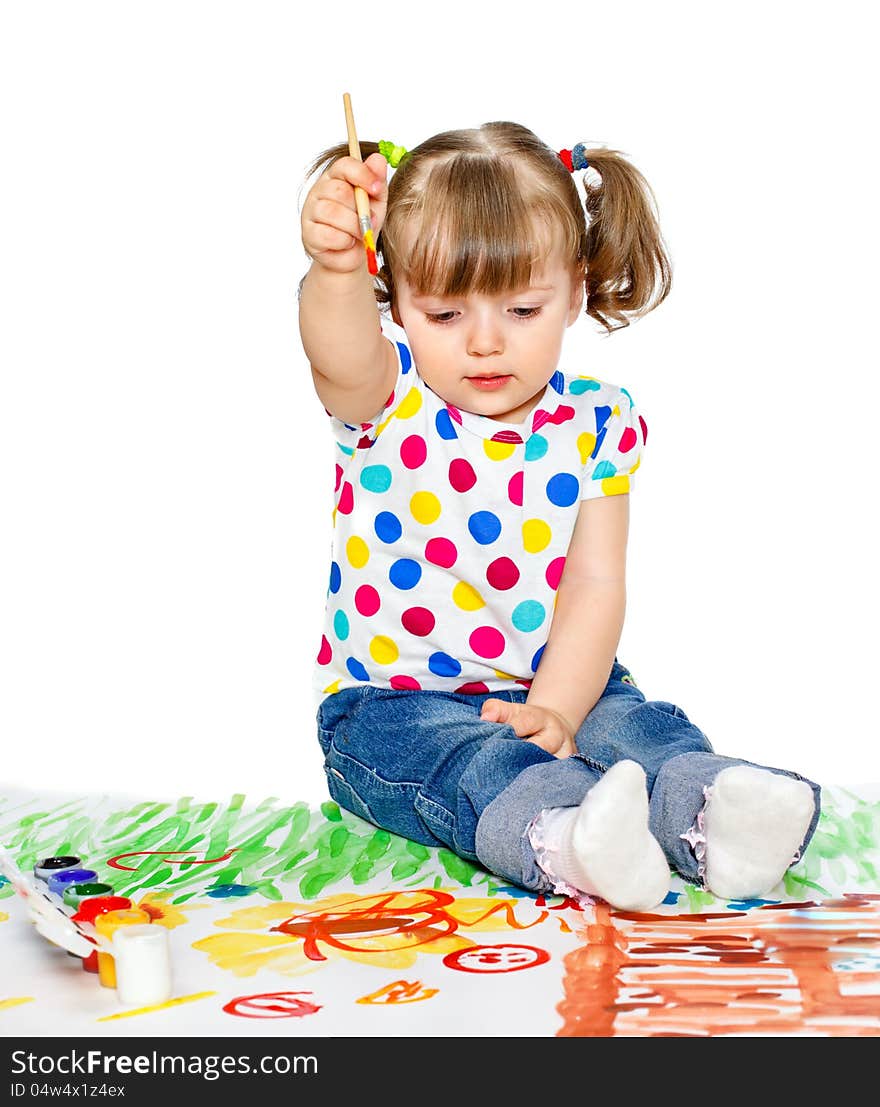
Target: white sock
[
  {"x": 604, "y": 847},
  {"x": 754, "y": 822}
]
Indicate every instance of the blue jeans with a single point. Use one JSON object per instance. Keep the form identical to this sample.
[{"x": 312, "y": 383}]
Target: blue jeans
[{"x": 424, "y": 765}]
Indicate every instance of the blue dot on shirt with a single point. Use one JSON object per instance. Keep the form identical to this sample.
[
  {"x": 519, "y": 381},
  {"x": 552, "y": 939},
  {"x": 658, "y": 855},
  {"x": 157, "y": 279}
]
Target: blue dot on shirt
[
  {"x": 528, "y": 615},
  {"x": 577, "y": 388},
  {"x": 557, "y": 382},
  {"x": 405, "y": 358},
  {"x": 485, "y": 526},
  {"x": 335, "y": 577},
  {"x": 563, "y": 489},
  {"x": 376, "y": 478},
  {"x": 405, "y": 573},
  {"x": 444, "y": 425},
  {"x": 536, "y": 660},
  {"x": 536, "y": 447},
  {"x": 356, "y": 669},
  {"x": 387, "y": 527},
  {"x": 341, "y": 626},
  {"x": 441, "y": 664}
]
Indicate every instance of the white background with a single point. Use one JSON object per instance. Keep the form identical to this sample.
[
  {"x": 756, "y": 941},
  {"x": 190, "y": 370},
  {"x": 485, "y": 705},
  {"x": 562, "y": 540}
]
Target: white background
[{"x": 166, "y": 469}]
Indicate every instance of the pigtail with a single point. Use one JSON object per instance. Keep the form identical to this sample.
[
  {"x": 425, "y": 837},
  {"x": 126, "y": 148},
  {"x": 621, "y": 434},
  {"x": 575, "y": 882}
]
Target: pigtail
[{"x": 628, "y": 271}]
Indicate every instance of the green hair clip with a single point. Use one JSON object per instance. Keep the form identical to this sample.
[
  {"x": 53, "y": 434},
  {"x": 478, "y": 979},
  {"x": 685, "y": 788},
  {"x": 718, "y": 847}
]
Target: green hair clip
[{"x": 394, "y": 155}]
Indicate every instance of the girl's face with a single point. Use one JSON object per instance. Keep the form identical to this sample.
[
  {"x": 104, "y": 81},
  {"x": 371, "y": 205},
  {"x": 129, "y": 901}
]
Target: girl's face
[{"x": 509, "y": 342}]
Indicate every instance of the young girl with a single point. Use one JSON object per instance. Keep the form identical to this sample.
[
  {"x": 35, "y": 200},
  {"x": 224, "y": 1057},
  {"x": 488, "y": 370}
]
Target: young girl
[{"x": 472, "y": 694}]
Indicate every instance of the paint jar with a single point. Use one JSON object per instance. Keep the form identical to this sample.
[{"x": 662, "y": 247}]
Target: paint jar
[
  {"x": 89, "y": 910},
  {"x": 49, "y": 866},
  {"x": 61, "y": 880},
  {"x": 107, "y": 925},
  {"x": 75, "y": 894},
  {"x": 143, "y": 964}
]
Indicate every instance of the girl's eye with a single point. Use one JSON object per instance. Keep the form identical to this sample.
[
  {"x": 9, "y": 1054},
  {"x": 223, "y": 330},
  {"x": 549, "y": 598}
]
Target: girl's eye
[
  {"x": 527, "y": 312},
  {"x": 440, "y": 317}
]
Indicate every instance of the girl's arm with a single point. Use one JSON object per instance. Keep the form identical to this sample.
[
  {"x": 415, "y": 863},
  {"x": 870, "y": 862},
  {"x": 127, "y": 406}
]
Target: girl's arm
[
  {"x": 353, "y": 365},
  {"x": 589, "y": 615}
]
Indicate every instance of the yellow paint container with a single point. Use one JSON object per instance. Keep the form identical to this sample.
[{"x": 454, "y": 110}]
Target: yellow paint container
[{"x": 105, "y": 925}]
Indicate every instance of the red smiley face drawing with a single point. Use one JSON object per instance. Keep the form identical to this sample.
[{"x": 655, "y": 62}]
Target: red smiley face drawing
[
  {"x": 500, "y": 958},
  {"x": 272, "y": 1005}
]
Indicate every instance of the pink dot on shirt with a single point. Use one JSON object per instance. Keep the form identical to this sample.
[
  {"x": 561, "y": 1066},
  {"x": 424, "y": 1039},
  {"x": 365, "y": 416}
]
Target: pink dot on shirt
[
  {"x": 475, "y": 688},
  {"x": 366, "y": 600},
  {"x": 418, "y": 620},
  {"x": 502, "y": 574},
  {"x": 346, "y": 499},
  {"x": 461, "y": 475},
  {"x": 627, "y": 440},
  {"x": 326, "y": 651},
  {"x": 554, "y": 572},
  {"x": 442, "y": 552},
  {"x": 487, "y": 642},
  {"x": 413, "y": 451},
  {"x": 403, "y": 682},
  {"x": 338, "y": 477},
  {"x": 515, "y": 488}
]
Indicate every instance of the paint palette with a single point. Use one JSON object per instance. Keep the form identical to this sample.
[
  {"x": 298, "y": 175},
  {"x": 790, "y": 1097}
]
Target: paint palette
[{"x": 70, "y": 907}]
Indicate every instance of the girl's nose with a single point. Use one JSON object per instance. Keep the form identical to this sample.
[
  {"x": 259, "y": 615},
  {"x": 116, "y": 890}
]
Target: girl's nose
[{"x": 485, "y": 338}]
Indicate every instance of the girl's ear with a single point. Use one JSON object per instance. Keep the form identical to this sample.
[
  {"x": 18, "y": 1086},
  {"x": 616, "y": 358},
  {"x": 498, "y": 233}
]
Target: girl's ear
[{"x": 577, "y": 301}]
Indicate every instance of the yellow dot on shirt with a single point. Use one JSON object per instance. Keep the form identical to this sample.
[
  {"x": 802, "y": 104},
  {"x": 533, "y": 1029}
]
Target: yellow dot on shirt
[
  {"x": 410, "y": 404},
  {"x": 586, "y": 443},
  {"x": 384, "y": 650},
  {"x": 536, "y": 535},
  {"x": 498, "y": 451},
  {"x": 357, "y": 551},
  {"x": 504, "y": 676},
  {"x": 425, "y": 507},
  {"x": 615, "y": 486},
  {"x": 467, "y": 597},
  {"x": 334, "y": 687}
]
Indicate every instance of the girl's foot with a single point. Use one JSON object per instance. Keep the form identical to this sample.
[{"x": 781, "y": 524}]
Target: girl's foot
[
  {"x": 754, "y": 822},
  {"x": 604, "y": 847}
]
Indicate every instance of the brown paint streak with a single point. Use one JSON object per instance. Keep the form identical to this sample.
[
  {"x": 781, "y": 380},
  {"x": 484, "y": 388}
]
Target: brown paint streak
[{"x": 768, "y": 971}]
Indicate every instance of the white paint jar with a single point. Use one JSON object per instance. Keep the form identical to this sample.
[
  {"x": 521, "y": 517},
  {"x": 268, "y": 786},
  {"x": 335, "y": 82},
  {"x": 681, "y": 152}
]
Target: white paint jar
[{"x": 143, "y": 964}]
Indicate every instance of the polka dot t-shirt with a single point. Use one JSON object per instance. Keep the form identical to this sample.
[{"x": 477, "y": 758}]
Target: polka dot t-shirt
[{"x": 450, "y": 530}]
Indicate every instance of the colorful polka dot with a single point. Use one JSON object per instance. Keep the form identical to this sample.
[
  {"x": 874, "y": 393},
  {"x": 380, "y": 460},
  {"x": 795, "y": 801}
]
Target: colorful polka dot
[
  {"x": 536, "y": 447},
  {"x": 444, "y": 425},
  {"x": 487, "y": 642},
  {"x": 388, "y": 527},
  {"x": 410, "y": 404},
  {"x": 335, "y": 577},
  {"x": 442, "y": 665},
  {"x": 536, "y": 660},
  {"x": 586, "y": 444},
  {"x": 405, "y": 683},
  {"x": 536, "y": 535},
  {"x": 366, "y": 600},
  {"x": 515, "y": 489},
  {"x": 563, "y": 489},
  {"x": 425, "y": 508},
  {"x": 583, "y": 384},
  {"x": 357, "y": 670},
  {"x": 528, "y": 615},
  {"x": 502, "y": 574},
  {"x": 413, "y": 451},
  {"x": 405, "y": 573},
  {"x": 485, "y": 526},
  {"x": 461, "y": 475},
  {"x": 346, "y": 499},
  {"x": 554, "y": 572},
  {"x": 383, "y": 650},
  {"x": 376, "y": 478},
  {"x": 442, "y": 552},
  {"x": 357, "y": 551},
  {"x": 418, "y": 620},
  {"x": 466, "y": 597},
  {"x": 473, "y": 688},
  {"x": 325, "y": 653},
  {"x": 498, "y": 451},
  {"x": 341, "y": 626},
  {"x": 339, "y": 472}
]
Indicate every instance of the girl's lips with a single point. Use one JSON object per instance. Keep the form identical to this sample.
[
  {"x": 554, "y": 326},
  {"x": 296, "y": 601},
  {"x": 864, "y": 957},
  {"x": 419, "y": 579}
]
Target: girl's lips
[{"x": 488, "y": 383}]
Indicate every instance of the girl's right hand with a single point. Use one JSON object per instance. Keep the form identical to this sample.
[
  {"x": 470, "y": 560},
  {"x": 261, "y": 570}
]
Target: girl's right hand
[{"x": 331, "y": 234}]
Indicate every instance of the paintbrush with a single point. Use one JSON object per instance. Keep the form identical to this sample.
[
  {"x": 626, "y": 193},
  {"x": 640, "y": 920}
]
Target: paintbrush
[{"x": 360, "y": 197}]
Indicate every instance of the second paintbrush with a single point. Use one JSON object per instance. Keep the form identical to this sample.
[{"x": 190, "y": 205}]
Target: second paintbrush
[{"x": 360, "y": 197}]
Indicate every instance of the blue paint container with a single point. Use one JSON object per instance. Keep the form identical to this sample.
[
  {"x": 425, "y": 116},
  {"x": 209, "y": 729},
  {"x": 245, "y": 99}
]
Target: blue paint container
[
  {"x": 49, "y": 866},
  {"x": 61, "y": 880}
]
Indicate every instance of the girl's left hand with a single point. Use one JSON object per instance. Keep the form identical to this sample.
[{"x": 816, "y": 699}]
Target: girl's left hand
[{"x": 541, "y": 725}]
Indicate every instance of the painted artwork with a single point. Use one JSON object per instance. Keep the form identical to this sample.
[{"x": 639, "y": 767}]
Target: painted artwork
[{"x": 285, "y": 919}]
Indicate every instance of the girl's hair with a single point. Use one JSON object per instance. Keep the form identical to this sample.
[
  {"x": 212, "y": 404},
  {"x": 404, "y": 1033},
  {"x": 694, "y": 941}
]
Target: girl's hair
[{"x": 483, "y": 205}]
